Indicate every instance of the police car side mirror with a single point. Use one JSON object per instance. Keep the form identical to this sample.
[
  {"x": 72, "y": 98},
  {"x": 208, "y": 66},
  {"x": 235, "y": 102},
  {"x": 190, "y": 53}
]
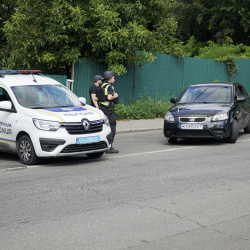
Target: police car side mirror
[
  {"x": 82, "y": 100},
  {"x": 6, "y": 105}
]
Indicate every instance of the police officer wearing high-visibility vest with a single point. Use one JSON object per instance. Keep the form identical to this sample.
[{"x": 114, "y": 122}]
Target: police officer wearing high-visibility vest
[{"x": 108, "y": 104}]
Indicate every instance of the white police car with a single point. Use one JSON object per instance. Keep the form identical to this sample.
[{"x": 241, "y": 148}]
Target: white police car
[{"x": 39, "y": 117}]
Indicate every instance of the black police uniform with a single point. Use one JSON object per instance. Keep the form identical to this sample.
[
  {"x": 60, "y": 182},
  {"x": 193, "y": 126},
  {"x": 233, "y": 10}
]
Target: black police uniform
[
  {"x": 108, "y": 109},
  {"x": 93, "y": 90}
]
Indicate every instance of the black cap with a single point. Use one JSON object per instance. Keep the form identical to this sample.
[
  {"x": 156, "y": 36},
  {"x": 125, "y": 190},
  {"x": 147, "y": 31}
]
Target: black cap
[{"x": 97, "y": 77}]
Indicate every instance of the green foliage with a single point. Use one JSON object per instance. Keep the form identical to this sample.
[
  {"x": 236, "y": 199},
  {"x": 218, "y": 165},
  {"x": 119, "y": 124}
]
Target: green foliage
[
  {"x": 6, "y": 9},
  {"x": 43, "y": 35},
  {"x": 51, "y": 34},
  {"x": 144, "y": 107},
  {"x": 121, "y": 28},
  {"x": 192, "y": 46},
  {"x": 218, "y": 52},
  {"x": 213, "y": 20},
  {"x": 227, "y": 53}
]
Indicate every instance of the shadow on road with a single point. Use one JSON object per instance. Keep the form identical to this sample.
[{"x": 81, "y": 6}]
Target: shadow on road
[
  {"x": 10, "y": 161},
  {"x": 199, "y": 141}
]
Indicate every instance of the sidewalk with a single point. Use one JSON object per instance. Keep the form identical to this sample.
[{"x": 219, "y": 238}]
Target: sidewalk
[{"x": 139, "y": 125}]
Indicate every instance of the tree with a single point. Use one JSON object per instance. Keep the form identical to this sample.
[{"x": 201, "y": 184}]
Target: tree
[
  {"x": 51, "y": 34},
  {"x": 42, "y": 34},
  {"x": 213, "y": 20},
  {"x": 6, "y": 9}
]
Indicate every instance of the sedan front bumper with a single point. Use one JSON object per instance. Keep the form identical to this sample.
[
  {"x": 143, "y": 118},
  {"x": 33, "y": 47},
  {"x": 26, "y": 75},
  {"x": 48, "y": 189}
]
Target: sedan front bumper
[{"x": 216, "y": 130}]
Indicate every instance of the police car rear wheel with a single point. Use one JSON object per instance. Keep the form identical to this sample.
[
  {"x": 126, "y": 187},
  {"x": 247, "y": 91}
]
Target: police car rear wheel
[
  {"x": 95, "y": 155},
  {"x": 26, "y": 151}
]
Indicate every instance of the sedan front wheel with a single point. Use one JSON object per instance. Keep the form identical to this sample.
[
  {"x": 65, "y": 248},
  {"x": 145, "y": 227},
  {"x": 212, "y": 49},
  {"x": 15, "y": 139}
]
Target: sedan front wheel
[
  {"x": 172, "y": 140},
  {"x": 234, "y": 133}
]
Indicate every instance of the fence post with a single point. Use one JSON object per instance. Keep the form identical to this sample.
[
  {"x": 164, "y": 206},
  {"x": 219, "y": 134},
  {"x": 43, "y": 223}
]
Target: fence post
[{"x": 182, "y": 81}]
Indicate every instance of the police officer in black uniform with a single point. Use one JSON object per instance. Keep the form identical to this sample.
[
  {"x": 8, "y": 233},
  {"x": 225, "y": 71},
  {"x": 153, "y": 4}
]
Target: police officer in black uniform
[
  {"x": 93, "y": 90},
  {"x": 108, "y": 105}
]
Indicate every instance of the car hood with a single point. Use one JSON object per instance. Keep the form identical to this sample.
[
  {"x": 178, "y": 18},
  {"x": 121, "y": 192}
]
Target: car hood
[
  {"x": 198, "y": 109},
  {"x": 74, "y": 114}
]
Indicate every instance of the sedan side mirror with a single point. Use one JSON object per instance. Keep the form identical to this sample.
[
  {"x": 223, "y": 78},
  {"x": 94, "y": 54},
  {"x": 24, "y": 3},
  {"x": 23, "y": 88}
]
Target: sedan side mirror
[
  {"x": 173, "y": 100},
  {"x": 240, "y": 98}
]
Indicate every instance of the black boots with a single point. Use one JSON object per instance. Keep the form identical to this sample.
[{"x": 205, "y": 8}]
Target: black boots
[{"x": 112, "y": 151}]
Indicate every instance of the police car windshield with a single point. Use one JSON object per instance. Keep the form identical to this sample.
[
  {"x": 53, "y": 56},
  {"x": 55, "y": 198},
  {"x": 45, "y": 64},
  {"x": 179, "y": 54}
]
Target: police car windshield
[{"x": 45, "y": 96}]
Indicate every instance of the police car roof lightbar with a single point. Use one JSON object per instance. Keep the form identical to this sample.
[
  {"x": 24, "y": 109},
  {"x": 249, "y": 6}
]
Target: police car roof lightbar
[{"x": 19, "y": 71}]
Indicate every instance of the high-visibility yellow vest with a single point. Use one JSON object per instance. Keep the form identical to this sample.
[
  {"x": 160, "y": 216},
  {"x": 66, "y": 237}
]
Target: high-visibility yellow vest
[{"x": 106, "y": 85}]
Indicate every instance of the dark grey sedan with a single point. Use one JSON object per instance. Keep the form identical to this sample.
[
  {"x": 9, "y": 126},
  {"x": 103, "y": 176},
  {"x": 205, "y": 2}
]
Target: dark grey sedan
[{"x": 209, "y": 110}]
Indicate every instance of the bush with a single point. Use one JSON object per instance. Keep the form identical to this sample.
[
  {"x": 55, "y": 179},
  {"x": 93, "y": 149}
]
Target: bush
[{"x": 144, "y": 107}]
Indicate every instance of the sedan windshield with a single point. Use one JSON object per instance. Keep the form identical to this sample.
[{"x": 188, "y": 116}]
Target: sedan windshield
[
  {"x": 45, "y": 96},
  {"x": 207, "y": 94}
]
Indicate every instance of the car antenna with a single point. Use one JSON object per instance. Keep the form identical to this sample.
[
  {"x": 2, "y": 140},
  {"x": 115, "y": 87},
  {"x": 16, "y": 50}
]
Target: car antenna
[{"x": 34, "y": 80}]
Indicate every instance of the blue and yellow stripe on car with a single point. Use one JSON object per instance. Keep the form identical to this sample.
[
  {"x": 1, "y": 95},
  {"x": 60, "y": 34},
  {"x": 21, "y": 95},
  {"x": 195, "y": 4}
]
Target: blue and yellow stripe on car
[{"x": 6, "y": 140}]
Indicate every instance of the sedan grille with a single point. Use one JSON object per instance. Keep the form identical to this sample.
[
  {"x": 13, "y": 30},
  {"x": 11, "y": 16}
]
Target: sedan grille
[
  {"x": 192, "y": 119},
  {"x": 193, "y": 133},
  {"x": 74, "y": 148},
  {"x": 77, "y": 127}
]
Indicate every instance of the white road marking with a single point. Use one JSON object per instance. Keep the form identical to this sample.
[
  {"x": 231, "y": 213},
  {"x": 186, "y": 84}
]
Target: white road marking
[
  {"x": 129, "y": 155},
  {"x": 165, "y": 150},
  {"x": 244, "y": 140},
  {"x": 153, "y": 152}
]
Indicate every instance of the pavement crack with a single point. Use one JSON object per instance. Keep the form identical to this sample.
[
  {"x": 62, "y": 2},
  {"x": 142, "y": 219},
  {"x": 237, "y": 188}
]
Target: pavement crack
[
  {"x": 197, "y": 223},
  {"x": 167, "y": 212},
  {"x": 178, "y": 216},
  {"x": 218, "y": 231}
]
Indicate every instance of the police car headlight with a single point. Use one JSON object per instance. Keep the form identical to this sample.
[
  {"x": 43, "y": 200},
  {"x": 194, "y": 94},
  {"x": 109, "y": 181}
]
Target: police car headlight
[
  {"x": 220, "y": 116},
  {"x": 46, "y": 125},
  {"x": 106, "y": 120}
]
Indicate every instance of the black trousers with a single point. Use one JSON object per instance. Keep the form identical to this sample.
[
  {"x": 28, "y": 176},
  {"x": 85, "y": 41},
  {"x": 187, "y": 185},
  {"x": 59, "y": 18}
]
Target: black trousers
[{"x": 109, "y": 112}]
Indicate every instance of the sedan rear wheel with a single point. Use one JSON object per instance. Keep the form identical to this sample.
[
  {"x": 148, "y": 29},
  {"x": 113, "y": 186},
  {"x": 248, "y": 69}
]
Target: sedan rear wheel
[
  {"x": 26, "y": 151},
  {"x": 234, "y": 133},
  {"x": 247, "y": 128}
]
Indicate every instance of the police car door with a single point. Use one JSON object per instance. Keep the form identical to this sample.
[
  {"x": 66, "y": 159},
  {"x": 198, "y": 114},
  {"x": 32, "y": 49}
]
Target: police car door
[{"x": 7, "y": 139}]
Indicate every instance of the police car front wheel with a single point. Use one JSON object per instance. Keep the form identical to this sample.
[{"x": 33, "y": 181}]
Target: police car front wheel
[{"x": 26, "y": 151}]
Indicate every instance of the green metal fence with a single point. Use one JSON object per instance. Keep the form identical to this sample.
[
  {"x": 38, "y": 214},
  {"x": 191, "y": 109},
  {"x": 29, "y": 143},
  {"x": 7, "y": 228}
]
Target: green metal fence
[
  {"x": 60, "y": 78},
  {"x": 243, "y": 73},
  {"x": 167, "y": 76}
]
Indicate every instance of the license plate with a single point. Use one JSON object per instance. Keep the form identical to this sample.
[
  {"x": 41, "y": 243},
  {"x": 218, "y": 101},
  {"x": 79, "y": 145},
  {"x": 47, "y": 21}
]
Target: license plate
[
  {"x": 191, "y": 126},
  {"x": 90, "y": 139}
]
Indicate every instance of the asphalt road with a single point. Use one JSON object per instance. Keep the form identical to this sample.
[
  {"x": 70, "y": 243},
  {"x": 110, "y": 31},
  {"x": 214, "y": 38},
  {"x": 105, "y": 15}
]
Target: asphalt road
[{"x": 152, "y": 195}]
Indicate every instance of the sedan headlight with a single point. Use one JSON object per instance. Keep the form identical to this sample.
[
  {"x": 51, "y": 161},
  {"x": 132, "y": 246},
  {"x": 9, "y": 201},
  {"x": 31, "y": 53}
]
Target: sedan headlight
[
  {"x": 169, "y": 117},
  {"x": 221, "y": 116},
  {"x": 106, "y": 120},
  {"x": 46, "y": 125}
]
